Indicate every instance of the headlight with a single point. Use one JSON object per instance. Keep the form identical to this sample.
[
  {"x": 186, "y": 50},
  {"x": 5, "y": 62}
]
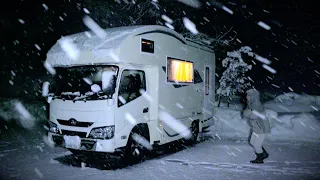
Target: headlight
[
  {"x": 53, "y": 127},
  {"x": 106, "y": 132}
]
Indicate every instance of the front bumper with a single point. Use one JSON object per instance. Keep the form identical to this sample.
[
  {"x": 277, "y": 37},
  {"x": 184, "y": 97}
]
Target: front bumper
[{"x": 87, "y": 144}]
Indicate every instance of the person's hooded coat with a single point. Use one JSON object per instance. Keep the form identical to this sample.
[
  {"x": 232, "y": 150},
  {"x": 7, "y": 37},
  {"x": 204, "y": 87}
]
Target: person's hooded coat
[{"x": 255, "y": 112}]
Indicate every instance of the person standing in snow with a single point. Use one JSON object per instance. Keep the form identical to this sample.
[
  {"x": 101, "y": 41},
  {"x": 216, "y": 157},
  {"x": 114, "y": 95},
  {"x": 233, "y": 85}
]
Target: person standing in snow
[{"x": 259, "y": 124}]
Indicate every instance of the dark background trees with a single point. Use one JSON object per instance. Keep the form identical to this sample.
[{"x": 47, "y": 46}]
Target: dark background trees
[{"x": 30, "y": 27}]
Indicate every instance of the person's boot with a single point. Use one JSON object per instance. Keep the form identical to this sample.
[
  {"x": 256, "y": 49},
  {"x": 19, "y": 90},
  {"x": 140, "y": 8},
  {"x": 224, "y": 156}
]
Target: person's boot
[
  {"x": 264, "y": 154},
  {"x": 258, "y": 159}
]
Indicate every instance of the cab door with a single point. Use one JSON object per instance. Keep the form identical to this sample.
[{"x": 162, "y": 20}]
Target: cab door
[{"x": 131, "y": 107}]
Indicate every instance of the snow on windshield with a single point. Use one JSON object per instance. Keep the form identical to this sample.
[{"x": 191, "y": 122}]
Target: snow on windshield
[{"x": 84, "y": 80}]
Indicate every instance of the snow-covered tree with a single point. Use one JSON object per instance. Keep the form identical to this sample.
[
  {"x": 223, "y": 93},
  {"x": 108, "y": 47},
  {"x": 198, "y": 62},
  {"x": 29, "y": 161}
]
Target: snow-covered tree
[{"x": 234, "y": 79}]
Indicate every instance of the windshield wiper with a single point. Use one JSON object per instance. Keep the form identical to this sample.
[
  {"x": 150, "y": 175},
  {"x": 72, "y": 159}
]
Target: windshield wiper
[{"x": 90, "y": 95}]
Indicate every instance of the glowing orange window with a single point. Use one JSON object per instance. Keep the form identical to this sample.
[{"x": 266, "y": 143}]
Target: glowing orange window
[{"x": 179, "y": 71}]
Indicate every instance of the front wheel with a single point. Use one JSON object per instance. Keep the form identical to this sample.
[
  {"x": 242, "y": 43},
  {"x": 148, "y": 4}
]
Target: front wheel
[{"x": 135, "y": 152}]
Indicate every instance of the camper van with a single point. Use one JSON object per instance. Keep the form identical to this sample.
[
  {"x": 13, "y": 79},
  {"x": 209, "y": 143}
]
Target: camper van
[{"x": 133, "y": 89}]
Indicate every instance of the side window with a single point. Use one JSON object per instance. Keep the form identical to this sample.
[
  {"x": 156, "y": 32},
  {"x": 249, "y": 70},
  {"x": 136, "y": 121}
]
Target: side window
[
  {"x": 147, "y": 46},
  {"x": 131, "y": 82},
  {"x": 179, "y": 71},
  {"x": 207, "y": 79}
]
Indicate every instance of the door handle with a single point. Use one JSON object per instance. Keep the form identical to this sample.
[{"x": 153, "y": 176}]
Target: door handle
[{"x": 145, "y": 110}]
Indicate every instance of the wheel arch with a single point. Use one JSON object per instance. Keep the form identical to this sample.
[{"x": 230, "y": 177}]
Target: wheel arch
[{"x": 141, "y": 128}]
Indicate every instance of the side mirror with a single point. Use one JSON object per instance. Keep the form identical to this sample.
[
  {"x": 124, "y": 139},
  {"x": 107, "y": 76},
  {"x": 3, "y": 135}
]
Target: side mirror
[{"x": 49, "y": 99}]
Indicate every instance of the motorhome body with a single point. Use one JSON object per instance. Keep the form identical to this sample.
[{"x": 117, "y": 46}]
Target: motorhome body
[{"x": 160, "y": 83}]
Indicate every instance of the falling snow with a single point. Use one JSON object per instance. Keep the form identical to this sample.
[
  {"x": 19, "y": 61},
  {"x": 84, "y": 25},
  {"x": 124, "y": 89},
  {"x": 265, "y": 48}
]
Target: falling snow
[
  {"x": 177, "y": 126},
  {"x": 142, "y": 141},
  {"x": 228, "y": 119},
  {"x": 270, "y": 69},
  {"x": 260, "y": 115},
  {"x": 38, "y": 173},
  {"x": 107, "y": 76},
  {"x": 262, "y": 59},
  {"x": 49, "y": 68},
  {"x": 38, "y": 47},
  {"x": 21, "y": 21},
  {"x": 191, "y": 3},
  {"x": 169, "y": 25},
  {"x": 88, "y": 34},
  {"x": 45, "y": 89},
  {"x": 114, "y": 56},
  {"x": 11, "y": 82},
  {"x": 206, "y": 19},
  {"x": 316, "y": 109},
  {"x": 45, "y": 7},
  {"x": 26, "y": 119},
  {"x": 88, "y": 81},
  {"x": 86, "y": 10},
  {"x": 93, "y": 26},
  {"x": 190, "y": 25},
  {"x": 146, "y": 95},
  {"x": 264, "y": 25},
  {"x": 122, "y": 100},
  {"x": 227, "y": 9},
  {"x": 69, "y": 48},
  {"x": 179, "y": 105},
  {"x": 130, "y": 119},
  {"x": 167, "y": 19}
]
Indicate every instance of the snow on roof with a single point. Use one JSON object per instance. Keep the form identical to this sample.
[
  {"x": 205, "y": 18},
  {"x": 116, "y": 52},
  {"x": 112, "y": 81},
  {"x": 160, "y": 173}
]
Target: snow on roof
[{"x": 90, "y": 45}]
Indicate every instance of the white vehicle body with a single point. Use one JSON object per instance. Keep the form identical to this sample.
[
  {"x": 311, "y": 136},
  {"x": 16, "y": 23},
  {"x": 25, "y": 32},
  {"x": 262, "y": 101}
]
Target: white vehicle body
[{"x": 123, "y": 47}]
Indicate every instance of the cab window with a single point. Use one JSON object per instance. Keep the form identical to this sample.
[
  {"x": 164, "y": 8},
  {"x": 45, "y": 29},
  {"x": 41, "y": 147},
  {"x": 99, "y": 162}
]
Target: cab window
[{"x": 132, "y": 82}]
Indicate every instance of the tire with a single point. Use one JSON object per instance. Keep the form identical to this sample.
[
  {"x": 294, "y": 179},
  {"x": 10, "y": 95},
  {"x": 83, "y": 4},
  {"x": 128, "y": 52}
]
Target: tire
[
  {"x": 135, "y": 152},
  {"x": 194, "y": 129}
]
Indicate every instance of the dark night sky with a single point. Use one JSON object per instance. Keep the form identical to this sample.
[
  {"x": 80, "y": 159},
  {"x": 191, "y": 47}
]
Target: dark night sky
[{"x": 292, "y": 44}]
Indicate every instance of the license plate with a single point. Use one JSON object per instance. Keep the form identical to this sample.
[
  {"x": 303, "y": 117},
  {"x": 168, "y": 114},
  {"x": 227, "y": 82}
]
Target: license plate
[{"x": 72, "y": 142}]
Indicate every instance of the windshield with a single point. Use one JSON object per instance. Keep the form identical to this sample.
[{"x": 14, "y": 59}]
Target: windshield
[{"x": 85, "y": 82}]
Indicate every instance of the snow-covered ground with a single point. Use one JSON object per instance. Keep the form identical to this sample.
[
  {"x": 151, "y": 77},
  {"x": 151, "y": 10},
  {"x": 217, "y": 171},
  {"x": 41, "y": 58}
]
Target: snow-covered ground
[
  {"x": 292, "y": 117},
  {"x": 210, "y": 159},
  {"x": 222, "y": 153}
]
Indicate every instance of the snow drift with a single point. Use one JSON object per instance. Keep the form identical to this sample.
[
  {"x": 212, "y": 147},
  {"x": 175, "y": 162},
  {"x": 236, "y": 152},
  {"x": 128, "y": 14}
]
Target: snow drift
[
  {"x": 300, "y": 126},
  {"x": 24, "y": 113},
  {"x": 292, "y": 102}
]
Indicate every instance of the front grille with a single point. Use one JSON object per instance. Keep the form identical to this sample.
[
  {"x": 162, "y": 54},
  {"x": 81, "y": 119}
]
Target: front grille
[
  {"x": 74, "y": 133},
  {"x": 74, "y": 123}
]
